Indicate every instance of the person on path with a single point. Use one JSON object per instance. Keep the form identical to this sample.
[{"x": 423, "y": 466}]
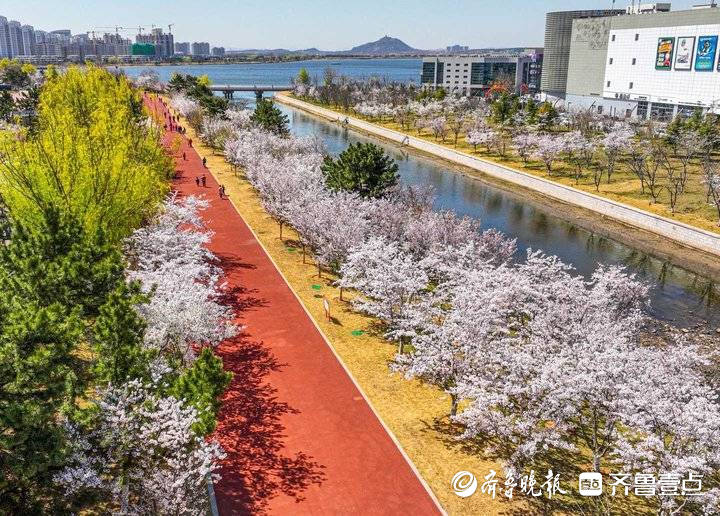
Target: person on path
[
  {"x": 203, "y": 181},
  {"x": 222, "y": 187},
  {"x": 190, "y": 142},
  {"x": 184, "y": 157},
  {"x": 220, "y": 191},
  {"x": 204, "y": 162},
  {"x": 197, "y": 181}
]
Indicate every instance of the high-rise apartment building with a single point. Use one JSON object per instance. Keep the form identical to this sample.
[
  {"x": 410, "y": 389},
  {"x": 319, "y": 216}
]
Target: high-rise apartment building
[
  {"x": 164, "y": 43},
  {"x": 218, "y": 51},
  {"x": 4, "y": 38},
  {"x": 28, "y": 40},
  {"x": 16, "y": 43},
  {"x": 40, "y": 36},
  {"x": 200, "y": 49},
  {"x": 182, "y": 48}
]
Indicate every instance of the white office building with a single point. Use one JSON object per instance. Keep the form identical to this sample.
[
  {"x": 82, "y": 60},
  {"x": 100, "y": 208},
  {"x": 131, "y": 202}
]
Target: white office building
[
  {"x": 647, "y": 63},
  {"x": 474, "y": 74}
]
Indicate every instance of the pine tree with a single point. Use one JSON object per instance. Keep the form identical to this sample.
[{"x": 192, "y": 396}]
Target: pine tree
[
  {"x": 362, "y": 168},
  {"x": 201, "y": 386},
  {"x": 55, "y": 262},
  {"x": 37, "y": 383},
  {"x": 118, "y": 338},
  {"x": 270, "y": 118},
  {"x": 52, "y": 282}
]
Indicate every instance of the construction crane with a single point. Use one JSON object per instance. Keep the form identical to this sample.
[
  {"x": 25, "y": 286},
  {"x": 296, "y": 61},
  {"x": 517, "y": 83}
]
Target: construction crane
[{"x": 118, "y": 28}]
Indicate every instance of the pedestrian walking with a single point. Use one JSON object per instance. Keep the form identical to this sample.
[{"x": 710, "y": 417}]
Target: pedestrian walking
[
  {"x": 220, "y": 191},
  {"x": 204, "y": 162},
  {"x": 222, "y": 187},
  {"x": 203, "y": 181},
  {"x": 184, "y": 157},
  {"x": 190, "y": 142},
  {"x": 197, "y": 181}
]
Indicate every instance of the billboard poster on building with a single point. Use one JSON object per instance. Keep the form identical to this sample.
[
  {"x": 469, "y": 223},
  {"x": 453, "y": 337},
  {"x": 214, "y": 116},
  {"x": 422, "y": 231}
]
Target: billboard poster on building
[
  {"x": 684, "y": 53},
  {"x": 705, "y": 57},
  {"x": 664, "y": 53}
]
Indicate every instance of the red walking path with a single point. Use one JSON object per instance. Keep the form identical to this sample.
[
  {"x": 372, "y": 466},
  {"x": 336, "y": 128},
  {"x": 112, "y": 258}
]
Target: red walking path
[{"x": 299, "y": 436}]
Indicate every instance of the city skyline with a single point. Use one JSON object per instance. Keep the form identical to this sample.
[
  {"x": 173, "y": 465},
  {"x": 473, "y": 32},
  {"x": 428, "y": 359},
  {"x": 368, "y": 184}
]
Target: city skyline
[{"x": 420, "y": 26}]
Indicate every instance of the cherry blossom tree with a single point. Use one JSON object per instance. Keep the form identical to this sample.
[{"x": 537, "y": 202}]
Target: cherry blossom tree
[
  {"x": 614, "y": 144},
  {"x": 447, "y": 344},
  {"x": 554, "y": 370},
  {"x": 170, "y": 259},
  {"x": 142, "y": 454},
  {"x": 524, "y": 143},
  {"x": 674, "y": 419},
  {"x": 580, "y": 152},
  {"x": 185, "y": 105},
  {"x": 438, "y": 126},
  {"x": 216, "y": 131},
  {"x": 484, "y": 135},
  {"x": 712, "y": 183},
  {"x": 149, "y": 80},
  {"x": 388, "y": 278},
  {"x": 547, "y": 149}
]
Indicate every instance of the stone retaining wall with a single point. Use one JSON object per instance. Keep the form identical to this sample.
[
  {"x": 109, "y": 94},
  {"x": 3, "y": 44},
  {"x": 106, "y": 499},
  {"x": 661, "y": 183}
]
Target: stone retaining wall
[{"x": 682, "y": 233}]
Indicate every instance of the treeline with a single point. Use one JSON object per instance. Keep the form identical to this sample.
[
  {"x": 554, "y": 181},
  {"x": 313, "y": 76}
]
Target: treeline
[
  {"x": 539, "y": 363},
  {"x": 107, "y": 388},
  {"x": 673, "y": 163}
]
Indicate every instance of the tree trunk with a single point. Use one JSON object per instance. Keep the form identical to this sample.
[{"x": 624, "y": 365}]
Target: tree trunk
[
  {"x": 281, "y": 226},
  {"x": 453, "y": 404},
  {"x": 341, "y": 293}
]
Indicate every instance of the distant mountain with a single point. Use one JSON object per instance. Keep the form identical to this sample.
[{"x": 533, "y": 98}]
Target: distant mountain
[{"x": 385, "y": 45}]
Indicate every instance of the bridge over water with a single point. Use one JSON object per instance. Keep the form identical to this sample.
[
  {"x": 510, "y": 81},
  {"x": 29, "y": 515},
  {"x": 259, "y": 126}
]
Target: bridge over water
[{"x": 229, "y": 89}]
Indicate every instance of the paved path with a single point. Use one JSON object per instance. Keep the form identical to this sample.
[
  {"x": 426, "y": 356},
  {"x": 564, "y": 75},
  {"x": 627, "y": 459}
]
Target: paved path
[{"x": 300, "y": 437}]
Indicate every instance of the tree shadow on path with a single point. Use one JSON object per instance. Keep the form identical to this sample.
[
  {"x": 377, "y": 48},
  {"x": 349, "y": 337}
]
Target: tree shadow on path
[{"x": 250, "y": 431}]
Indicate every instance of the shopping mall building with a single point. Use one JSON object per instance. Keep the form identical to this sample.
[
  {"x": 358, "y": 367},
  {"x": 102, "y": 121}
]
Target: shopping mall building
[{"x": 645, "y": 62}]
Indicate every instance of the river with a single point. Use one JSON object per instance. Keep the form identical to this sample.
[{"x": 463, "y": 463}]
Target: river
[{"x": 677, "y": 295}]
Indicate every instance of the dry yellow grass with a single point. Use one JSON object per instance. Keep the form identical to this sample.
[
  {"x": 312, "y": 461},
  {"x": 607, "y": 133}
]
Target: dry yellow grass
[
  {"x": 691, "y": 209},
  {"x": 415, "y": 413}
]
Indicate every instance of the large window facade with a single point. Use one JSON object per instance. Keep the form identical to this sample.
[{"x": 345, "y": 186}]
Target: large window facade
[
  {"x": 428, "y": 73},
  {"x": 661, "y": 111}
]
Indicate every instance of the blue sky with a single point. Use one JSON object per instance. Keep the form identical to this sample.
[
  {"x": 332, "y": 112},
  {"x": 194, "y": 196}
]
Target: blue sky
[{"x": 325, "y": 24}]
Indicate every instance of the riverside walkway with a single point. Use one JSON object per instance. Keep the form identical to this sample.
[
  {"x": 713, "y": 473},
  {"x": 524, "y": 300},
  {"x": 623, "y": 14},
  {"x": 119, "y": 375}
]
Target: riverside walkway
[{"x": 299, "y": 436}]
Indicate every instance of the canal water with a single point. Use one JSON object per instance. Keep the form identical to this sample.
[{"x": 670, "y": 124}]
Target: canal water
[{"x": 677, "y": 295}]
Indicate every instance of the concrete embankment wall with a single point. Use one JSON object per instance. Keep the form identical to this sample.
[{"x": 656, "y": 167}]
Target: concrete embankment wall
[{"x": 677, "y": 231}]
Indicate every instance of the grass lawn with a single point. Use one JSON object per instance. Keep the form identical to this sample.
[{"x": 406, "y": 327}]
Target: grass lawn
[{"x": 624, "y": 187}]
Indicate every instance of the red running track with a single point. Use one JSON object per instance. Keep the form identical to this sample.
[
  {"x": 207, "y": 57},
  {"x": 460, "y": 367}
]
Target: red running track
[{"x": 299, "y": 436}]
